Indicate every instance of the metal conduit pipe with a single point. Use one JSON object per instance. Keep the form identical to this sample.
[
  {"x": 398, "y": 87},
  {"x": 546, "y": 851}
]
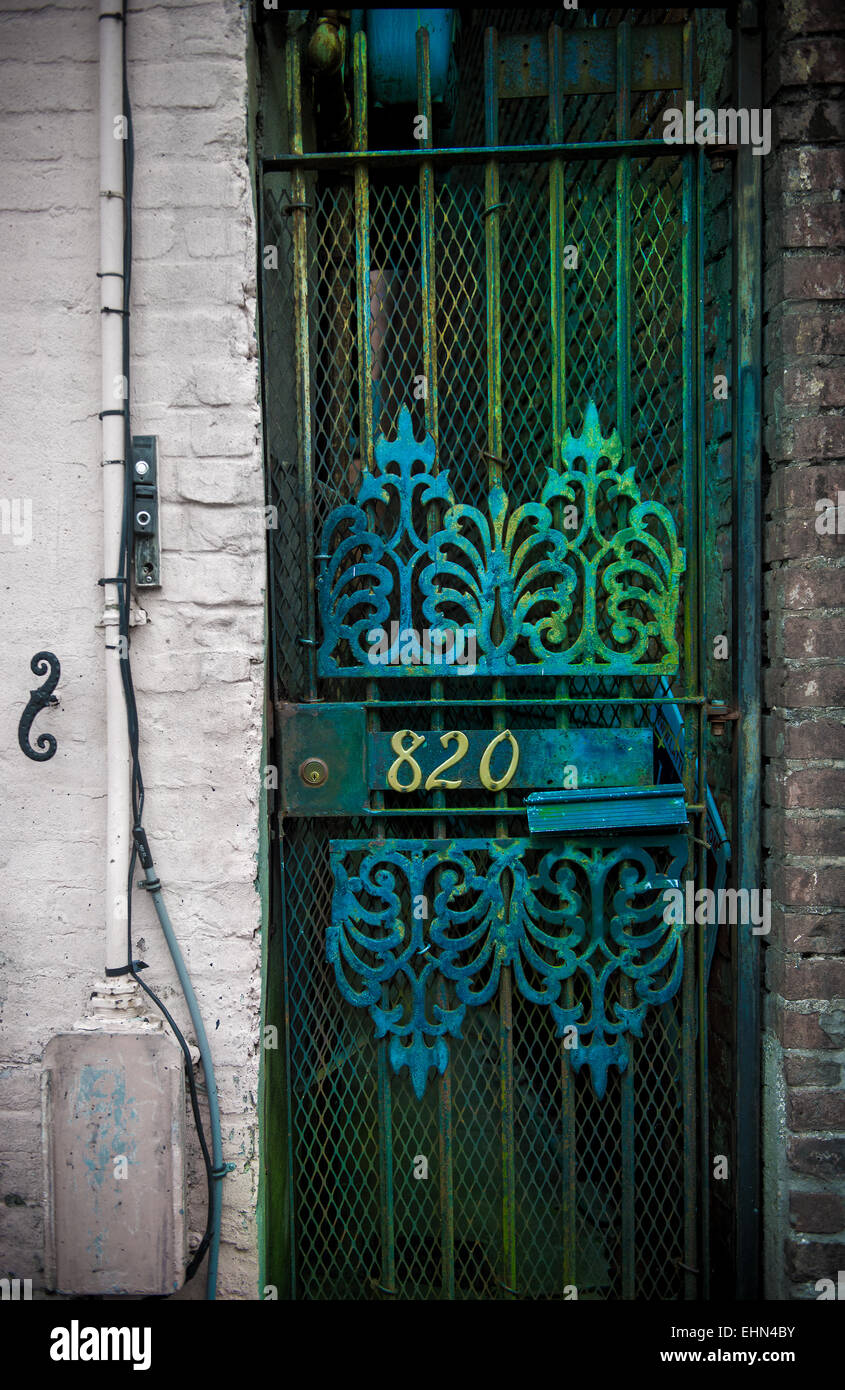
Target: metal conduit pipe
[
  {"x": 154, "y": 890},
  {"x": 112, "y": 230}
]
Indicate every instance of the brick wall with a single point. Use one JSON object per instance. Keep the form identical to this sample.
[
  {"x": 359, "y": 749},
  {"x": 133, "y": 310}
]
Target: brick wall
[
  {"x": 804, "y": 741},
  {"x": 198, "y": 660}
]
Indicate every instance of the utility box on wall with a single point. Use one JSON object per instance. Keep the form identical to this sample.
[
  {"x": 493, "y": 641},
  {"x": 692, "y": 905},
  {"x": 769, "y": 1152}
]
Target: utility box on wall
[{"x": 113, "y": 1109}]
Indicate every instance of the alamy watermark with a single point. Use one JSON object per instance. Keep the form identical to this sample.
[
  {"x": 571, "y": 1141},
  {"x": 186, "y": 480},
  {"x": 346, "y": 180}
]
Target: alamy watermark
[
  {"x": 16, "y": 519},
  {"x": 432, "y": 646},
  {"x": 705, "y": 906},
  {"x": 722, "y": 126}
]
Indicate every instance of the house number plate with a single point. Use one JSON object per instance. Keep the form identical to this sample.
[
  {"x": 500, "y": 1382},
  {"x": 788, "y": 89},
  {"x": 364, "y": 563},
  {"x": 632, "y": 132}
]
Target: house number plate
[{"x": 416, "y": 762}]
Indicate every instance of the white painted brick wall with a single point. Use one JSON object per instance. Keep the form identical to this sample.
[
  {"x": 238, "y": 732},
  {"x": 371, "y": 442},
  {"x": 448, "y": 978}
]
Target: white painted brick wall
[{"x": 198, "y": 662}]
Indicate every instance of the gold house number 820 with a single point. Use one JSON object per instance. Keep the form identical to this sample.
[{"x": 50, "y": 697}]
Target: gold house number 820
[{"x": 435, "y": 780}]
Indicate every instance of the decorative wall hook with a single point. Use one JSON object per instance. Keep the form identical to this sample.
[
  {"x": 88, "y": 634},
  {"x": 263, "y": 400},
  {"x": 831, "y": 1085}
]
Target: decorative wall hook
[{"x": 38, "y": 700}]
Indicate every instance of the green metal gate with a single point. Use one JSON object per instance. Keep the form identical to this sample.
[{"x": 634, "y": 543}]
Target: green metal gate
[{"x": 483, "y": 387}]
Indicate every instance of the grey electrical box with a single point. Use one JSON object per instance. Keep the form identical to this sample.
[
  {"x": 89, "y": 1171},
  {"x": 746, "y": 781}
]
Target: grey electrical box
[{"x": 113, "y": 1108}]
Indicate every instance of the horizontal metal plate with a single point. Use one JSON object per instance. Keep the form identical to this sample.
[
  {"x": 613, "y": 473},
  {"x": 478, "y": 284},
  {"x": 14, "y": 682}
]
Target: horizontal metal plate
[
  {"x": 600, "y": 757},
  {"x": 334, "y": 734},
  {"x": 607, "y": 808},
  {"x": 589, "y": 61}
]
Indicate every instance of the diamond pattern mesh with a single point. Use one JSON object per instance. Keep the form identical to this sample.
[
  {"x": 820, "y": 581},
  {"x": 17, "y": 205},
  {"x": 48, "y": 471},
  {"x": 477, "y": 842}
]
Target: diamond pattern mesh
[{"x": 341, "y": 1144}]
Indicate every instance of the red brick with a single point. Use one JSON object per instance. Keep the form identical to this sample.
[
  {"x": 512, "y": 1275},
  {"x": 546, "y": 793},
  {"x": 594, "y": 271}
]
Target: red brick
[
  {"x": 814, "y": 738},
  {"x": 819, "y": 224},
  {"x": 797, "y": 488},
  {"x": 803, "y": 637},
  {"x": 807, "y": 979},
  {"x": 823, "y": 1158},
  {"x": 810, "y": 277},
  {"x": 798, "y": 539},
  {"x": 823, "y": 386},
  {"x": 812, "y": 887},
  {"x": 806, "y": 331},
  {"x": 805, "y": 61},
  {"x": 804, "y": 588},
  {"x": 811, "y": 1110},
  {"x": 811, "y": 1071},
  {"x": 811, "y": 1030},
  {"x": 819, "y": 835},
  {"x": 820, "y": 436},
  {"x": 813, "y": 933},
  {"x": 805, "y": 788},
  {"x": 823, "y": 688},
  {"x": 819, "y": 1213},
  {"x": 814, "y": 1259},
  {"x": 816, "y": 787}
]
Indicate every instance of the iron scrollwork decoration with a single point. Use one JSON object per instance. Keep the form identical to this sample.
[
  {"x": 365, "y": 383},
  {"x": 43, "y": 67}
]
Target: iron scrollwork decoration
[
  {"x": 589, "y": 911},
  {"x": 39, "y": 699},
  {"x": 598, "y": 597}
]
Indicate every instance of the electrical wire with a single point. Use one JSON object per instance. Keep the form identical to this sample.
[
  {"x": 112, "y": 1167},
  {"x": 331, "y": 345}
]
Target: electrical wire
[{"x": 139, "y": 840}]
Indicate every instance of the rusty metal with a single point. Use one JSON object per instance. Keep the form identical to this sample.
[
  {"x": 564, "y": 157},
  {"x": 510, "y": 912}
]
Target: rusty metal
[{"x": 587, "y": 382}]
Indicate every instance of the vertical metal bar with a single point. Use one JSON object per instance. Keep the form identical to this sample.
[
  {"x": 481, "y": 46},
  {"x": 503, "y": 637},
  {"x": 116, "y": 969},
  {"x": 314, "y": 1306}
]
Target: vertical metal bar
[
  {"x": 703, "y": 1061},
  {"x": 429, "y": 322},
  {"x": 303, "y": 357},
  {"x": 385, "y": 1127},
  {"x": 623, "y": 424},
  {"x": 623, "y": 238},
  {"x": 691, "y": 682},
  {"x": 557, "y": 239},
  {"x": 747, "y": 301},
  {"x": 492, "y": 244},
  {"x": 366, "y": 454},
  {"x": 362, "y": 255}
]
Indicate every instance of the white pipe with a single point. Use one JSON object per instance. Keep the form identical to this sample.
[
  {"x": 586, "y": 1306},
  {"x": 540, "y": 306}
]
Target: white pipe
[{"x": 112, "y": 221}]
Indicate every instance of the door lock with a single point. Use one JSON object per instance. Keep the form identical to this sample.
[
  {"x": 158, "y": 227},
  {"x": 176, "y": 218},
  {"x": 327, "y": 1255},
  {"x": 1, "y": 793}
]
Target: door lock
[{"x": 314, "y": 772}]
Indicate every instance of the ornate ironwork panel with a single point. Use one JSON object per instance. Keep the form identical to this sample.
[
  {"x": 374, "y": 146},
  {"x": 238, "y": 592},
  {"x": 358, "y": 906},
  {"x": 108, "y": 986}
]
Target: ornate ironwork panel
[
  {"x": 413, "y": 914},
  {"x": 601, "y": 598}
]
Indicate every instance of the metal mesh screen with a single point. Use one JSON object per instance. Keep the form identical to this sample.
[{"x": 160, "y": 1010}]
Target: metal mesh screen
[{"x": 338, "y": 1149}]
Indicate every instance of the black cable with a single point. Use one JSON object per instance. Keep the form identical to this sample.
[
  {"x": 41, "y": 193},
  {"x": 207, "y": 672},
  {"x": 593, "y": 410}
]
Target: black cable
[{"x": 122, "y": 586}]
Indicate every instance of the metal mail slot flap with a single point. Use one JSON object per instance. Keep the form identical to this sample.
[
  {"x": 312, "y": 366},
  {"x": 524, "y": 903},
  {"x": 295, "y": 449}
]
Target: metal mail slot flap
[{"x": 607, "y": 808}]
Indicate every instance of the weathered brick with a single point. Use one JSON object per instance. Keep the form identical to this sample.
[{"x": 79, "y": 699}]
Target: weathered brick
[
  {"x": 805, "y": 588},
  {"x": 820, "y": 224},
  {"x": 809, "y": 738},
  {"x": 814, "y": 933},
  {"x": 823, "y": 1158},
  {"x": 811, "y": 1071},
  {"x": 810, "y": 17},
  {"x": 814, "y": 1259},
  {"x": 805, "y": 788},
  {"x": 822, "y": 688},
  {"x": 820, "y": 436},
  {"x": 808, "y": 979},
  {"x": 812, "y": 1030},
  {"x": 803, "y": 638},
  {"x": 799, "y": 538},
  {"x": 804, "y": 61},
  {"x": 818, "y": 1213},
  {"x": 820, "y": 886},
  {"x": 810, "y": 277},
  {"x": 816, "y": 1110},
  {"x": 806, "y": 330},
  {"x": 824, "y": 386},
  {"x": 812, "y": 122},
  {"x": 797, "y": 489}
]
